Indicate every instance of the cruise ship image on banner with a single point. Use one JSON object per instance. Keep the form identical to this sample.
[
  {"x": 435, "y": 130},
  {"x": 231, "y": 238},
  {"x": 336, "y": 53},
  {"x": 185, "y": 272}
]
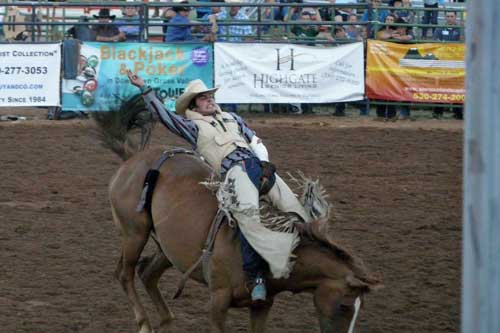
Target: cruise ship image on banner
[{"x": 413, "y": 58}]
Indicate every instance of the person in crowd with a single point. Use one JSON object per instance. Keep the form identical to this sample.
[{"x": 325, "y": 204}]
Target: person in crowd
[
  {"x": 306, "y": 31},
  {"x": 380, "y": 16},
  {"x": 406, "y": 12},
  {"x": 167, "y": 14},
  {"x": 402, "y": 33},
  {"x": 203, "y": 11},
  {"x": 450, "y": 33},
  {"x": 270, "y": 14},
  {"x": 179, "y": 33},
  {"x": 353, "y": 30},
  {"x": 233, "y": 33},
  {"x": 129, "y": 24},
  {"x": 210, "y": 31},
  {"x": 430, "y": 16},
  {"x": 82, "y": 32},
  {"x": 233, "y": 150},
  {"x": 107, "y": 32},
  {"x": 387, "y": 31}
]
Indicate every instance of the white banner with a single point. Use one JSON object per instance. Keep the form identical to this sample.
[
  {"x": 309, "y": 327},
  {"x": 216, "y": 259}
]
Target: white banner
[
  {"x": 30, "y": 74},
  {"x": 286, "y": 73}
]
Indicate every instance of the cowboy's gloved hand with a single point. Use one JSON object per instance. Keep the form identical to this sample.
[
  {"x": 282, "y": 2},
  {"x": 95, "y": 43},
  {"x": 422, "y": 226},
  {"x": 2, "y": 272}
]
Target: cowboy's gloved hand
[
  {"x": 135, "y": 79},
  {"x": 268, "y": 169}
]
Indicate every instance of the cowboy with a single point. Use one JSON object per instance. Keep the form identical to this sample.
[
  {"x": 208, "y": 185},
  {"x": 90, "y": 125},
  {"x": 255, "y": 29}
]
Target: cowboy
[
  {"x": 107, "y": 32},
  {"x": 233, "y": 150}
]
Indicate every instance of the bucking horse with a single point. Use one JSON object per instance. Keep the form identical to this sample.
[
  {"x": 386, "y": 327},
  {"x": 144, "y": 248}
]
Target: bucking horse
[{"x": 179, "y": 218}]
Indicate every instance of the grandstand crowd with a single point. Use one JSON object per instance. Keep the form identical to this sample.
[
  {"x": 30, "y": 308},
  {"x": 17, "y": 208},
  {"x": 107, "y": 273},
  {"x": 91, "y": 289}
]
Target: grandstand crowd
[{"x": 311, "y": 22}]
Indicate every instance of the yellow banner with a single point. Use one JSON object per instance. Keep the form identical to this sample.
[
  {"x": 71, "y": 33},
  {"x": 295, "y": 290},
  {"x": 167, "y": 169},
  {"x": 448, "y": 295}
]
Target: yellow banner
[{"x": 427, "y": 73}]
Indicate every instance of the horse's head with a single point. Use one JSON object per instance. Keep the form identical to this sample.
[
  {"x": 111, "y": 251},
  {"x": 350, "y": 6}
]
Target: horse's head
[{"x": 337, "y": 279}]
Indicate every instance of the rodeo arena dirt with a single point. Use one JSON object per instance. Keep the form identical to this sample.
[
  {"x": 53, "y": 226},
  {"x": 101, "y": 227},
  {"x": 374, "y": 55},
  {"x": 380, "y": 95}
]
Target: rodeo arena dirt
[{"x": 395, "y": 190}]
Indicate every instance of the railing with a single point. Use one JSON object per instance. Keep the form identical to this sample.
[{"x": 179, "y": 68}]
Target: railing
[{"x": 49, "y": 21}]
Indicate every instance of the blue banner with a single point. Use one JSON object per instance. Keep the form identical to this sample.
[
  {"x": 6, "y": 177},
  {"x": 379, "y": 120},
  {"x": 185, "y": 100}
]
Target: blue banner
[{"x": 101, "y": 82}]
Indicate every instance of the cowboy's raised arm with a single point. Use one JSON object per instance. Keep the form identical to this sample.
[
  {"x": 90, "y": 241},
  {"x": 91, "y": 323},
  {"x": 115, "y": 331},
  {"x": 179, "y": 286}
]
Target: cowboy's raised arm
[
  {"x": 255, "y": 142},
  {"x": 178, "y": 125}
]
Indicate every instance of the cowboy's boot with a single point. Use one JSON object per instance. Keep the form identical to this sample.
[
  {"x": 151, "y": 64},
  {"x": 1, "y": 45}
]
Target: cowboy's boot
[{"x": 259, "y": 292}]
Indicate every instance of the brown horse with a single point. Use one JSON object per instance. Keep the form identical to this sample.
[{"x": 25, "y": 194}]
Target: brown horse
[{"x": 181, "y": 214}]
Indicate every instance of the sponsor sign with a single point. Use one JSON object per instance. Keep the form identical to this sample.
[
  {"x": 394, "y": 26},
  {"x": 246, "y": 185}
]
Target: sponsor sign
[
  {"x": 430, "y": 73},
  {"x": 30, "y": 74},
  {"x": 101, "y": 83},
  {"x": 286, "y": 73}
]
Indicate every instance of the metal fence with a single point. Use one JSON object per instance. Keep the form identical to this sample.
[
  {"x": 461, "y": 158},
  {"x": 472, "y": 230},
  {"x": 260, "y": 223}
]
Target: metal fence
[{"x": 51, "y": 21}]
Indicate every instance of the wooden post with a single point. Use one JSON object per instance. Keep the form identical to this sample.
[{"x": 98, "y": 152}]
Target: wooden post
[{"x": 481, "y": 200}]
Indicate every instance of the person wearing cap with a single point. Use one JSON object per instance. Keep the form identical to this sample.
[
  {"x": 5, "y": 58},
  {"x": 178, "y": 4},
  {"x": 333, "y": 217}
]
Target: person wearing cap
[
  {"x": 179, "y": 33},
  {"x": 235, "y": 152},
  {"x": 107, "y": 32}
]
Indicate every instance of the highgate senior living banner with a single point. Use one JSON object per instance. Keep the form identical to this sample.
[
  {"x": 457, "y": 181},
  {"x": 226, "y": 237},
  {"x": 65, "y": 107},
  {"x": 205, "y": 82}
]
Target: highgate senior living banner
[
  {"x": 285, "y": 73},
  {"x": 29, "y": 74},
  {"x": 430, "y": 73},
  {"x": 102, "y": 84}
]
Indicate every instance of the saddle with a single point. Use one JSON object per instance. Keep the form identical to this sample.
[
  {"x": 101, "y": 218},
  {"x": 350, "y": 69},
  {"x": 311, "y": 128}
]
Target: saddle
[{"x": 267, "y": 181}]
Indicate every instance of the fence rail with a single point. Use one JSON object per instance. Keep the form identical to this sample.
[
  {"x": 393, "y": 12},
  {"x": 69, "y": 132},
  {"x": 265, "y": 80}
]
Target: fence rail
[{"x": 50, "y": 21}]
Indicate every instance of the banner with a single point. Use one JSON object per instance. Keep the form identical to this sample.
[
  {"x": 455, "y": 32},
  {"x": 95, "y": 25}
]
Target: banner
[
  {"x": 30, "y": 74},
  {"x": 430, "y": 73},
  {"x": 101, "y": 82},
  {"x": 286, "y": 73}
]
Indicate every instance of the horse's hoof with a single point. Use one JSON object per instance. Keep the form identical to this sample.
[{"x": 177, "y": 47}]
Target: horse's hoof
[{"x": 145, "y": 328}]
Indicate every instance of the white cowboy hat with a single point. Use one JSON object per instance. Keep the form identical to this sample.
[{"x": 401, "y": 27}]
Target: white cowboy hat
[{"x": 193, "y": 88}]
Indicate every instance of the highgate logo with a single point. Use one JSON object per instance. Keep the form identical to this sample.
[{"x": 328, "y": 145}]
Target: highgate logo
[{"x": 285, "y": 59}]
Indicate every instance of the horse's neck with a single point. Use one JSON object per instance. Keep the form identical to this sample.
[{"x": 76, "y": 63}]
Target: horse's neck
[{"x": 313, "y": 265}]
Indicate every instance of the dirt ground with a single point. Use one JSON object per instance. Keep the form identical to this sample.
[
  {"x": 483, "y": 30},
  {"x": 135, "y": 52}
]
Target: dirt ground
[{"x": 396, "y": 188}]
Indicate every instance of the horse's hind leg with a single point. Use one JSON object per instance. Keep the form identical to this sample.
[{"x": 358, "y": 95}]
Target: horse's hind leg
[
  {"x": 150, "y": 270},
  {"x": 125, "y": 272}
]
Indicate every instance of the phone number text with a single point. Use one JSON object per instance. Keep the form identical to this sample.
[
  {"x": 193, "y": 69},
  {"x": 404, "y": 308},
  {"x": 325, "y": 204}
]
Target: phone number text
[
  {"x": 439, "y": 97},
  {"x": 13, "y": 70}
]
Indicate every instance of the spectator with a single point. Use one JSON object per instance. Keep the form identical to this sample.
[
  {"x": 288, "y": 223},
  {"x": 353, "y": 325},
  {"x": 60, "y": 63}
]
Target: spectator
[
  {"x": 430, "y": 16},
  {"x": 273, "y": 14},
  {"x": 178, "y": 33},
  {"x": 306, "y": 31},
  {"x": 402, "y": 33},
  {"x": 203, "y": 11},
  {"x": 368, "y": 16},
  {"x": 130, "y": 27},
  {"x": 167, "y": 14},
  {"x": 107, "y": 32},
  {"x": 449, "y": 34},
  {"x": 406, "y": 13},
  {"x": 233, "y": 33},
  {"x": 340, "y": 33},
  {"x": 353, "y": 31},
  {"x": 82, "y": 32},
  {"x": 210, "y": 31},
  {"x": 388, "y": 30}
]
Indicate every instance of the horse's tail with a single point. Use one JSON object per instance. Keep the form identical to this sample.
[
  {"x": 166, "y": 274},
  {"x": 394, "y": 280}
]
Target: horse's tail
[{"x": 118, "y": 129}]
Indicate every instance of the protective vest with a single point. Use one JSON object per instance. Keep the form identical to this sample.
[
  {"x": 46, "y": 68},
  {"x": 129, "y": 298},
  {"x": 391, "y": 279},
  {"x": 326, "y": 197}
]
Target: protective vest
[{"x": 218, "y": 136}]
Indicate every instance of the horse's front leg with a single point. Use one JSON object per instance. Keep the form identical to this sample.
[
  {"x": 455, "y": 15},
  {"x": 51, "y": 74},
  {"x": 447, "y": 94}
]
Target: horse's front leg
[
  {"x": 220, "y": 300},
  {"x": 258, "y": 317}
]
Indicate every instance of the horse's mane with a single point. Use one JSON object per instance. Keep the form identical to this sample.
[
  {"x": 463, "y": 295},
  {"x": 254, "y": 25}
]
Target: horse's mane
[
  {"x": 319, "y": 232},
  {"x": 116, "y": 128}
]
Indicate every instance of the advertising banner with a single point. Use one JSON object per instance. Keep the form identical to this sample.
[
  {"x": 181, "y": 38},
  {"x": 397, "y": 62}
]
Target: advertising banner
[
  {"x": 101, "y": 82},
  {"x": 30, "y": 74},
  {"x": 286, "y": 73},
  {"x": 426, "y": 73}
]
